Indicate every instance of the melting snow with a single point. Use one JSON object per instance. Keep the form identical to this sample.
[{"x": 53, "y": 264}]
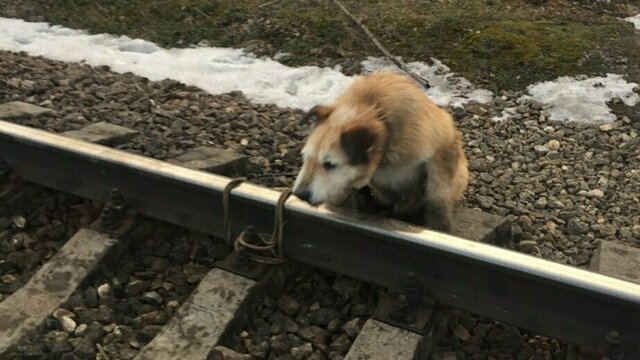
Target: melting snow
[
  {"x": 446, "y": 88},
  {"x": 635, "y": 20},
  {"x": 580, "y": 98},
  {"x": 216, "y": 70},
  {"x": 265, "y": 80}
]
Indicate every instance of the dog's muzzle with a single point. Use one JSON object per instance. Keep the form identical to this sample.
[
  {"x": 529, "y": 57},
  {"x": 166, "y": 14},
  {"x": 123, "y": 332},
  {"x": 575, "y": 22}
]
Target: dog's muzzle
[{"x": 304, "y": 195}]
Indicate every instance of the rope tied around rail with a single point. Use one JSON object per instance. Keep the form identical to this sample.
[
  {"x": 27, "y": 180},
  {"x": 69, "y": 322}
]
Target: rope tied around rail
[{"x": 271, "y": 243}]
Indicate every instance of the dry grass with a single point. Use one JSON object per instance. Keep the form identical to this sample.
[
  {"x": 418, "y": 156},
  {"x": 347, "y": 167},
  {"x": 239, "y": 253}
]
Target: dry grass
[{"x": 501, "y": 44}]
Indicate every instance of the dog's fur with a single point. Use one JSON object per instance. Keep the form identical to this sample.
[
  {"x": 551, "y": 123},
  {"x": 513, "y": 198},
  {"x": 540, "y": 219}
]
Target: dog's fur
[{"x": 385, "y": 134}]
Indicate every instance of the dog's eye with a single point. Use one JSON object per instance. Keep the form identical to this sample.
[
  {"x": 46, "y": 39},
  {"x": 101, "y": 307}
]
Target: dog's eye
[{"x": 329, "y": 165}]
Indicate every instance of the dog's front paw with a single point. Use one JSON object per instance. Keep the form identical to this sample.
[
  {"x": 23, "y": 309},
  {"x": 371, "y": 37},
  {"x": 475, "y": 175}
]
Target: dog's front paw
[
  {"x": 363, "y": 200},
  {"x": 441, "y": 224},
  {"x": 412, "y": 217},
  {"x": 438, "y": 219}
]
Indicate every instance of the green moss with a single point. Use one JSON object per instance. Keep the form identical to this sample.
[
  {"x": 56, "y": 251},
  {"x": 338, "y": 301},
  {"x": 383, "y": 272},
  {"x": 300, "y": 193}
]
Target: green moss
[
  {"x": 501, "y": 44},
  {"x": 169, "y": 23},
  {"x": 518, "y": 53},
  {"x": 510, "y": 54}
]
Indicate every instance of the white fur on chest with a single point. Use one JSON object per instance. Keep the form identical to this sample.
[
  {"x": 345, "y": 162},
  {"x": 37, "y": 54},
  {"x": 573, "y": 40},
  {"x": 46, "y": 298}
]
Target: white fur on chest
[{"x": 399, "y": 177}]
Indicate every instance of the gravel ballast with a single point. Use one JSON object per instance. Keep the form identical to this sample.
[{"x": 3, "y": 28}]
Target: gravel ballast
[
  {"x": 129, "y": 298},
  {"x": 35, "y": 223},
  {"x": 317, "y": 317},
  {"x": 565, "y": 185}
]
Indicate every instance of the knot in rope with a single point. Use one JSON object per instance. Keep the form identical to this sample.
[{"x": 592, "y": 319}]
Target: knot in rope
[{"x": 258, "y": 242}]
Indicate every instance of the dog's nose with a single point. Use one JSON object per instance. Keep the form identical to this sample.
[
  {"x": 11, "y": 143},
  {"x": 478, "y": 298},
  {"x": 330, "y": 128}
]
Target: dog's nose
[{"x": 304, "y": 195}]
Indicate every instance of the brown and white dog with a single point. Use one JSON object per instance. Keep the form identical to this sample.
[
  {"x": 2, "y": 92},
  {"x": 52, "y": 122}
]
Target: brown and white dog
[{"x": 386, "y": 142}]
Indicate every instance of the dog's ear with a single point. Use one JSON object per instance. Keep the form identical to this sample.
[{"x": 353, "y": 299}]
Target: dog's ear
[
  {"x": 357, "y": 143},
  {"x": 320, "y": 112}
]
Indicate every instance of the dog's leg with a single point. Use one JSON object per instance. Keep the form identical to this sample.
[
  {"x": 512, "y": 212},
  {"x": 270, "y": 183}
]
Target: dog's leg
[
  {"x": 415, "y": 217},
  {"x": 365, "y": 201},
  {"x": 437, "y": 215},
  {"x": 409, "y": 207},
  {"x": 362, "y": 199},
  {"x": 439, "y": 196}
]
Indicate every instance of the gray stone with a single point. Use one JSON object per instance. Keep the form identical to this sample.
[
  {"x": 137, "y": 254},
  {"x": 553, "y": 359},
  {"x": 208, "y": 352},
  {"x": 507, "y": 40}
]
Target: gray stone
[
  {"x": 119, "y": 351},
  {"x": 57, "y": 342},
  {"x": 84, "y": 349},
  {"x": 59, "y": 313},
  {"x": 341, "y": 343},
  {"x": 510, "y": 339},
  {"x": 152, "y": 297},
  {"x": 323, "y": 316},
  {"x": 290, "y": 325},
  {"x": 288, "y": 305},
  {"x": 18, "y": 110},
  {"x": 461, "y": 333},
  {"x": 576, "y": 227},
  {"x": 353, "y": 326},
  {"x": 51, "y": 286},
  {"x": 148, "y": 332},
  {"x": 302, "y": 351},
  {"x": 68, "y": 324},
  {"x": 445, "y": 355},
  {"x": 80, "y": 330},
  {"x": 104, "y": 291},
  {"x": 136, "y": 287},
  {"x": 223, "y": 353},
  {"x": 314, "y": 334},
  {"x": 477, "y": 109},
  {"x": 280, "y": 344},
  {"x": 317, "y": 355},
  {"x": 91, "y": 297},
  {"x": 486, "y": 202},
  {"x": 94, "y": 332},
  {"x": 259, "y": 350},
  {"x": 541, "y": 149},
  {"x": 347, "y": 287},
  {"x": 334, "y": 325}
]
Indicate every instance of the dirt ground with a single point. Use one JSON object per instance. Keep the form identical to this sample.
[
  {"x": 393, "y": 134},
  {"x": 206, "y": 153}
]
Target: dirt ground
[{"x": 497, "y": 44}]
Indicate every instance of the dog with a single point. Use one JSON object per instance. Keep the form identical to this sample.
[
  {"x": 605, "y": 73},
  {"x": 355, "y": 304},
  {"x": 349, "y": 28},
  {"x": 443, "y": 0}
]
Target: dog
[{"x": 384, "y": 143}]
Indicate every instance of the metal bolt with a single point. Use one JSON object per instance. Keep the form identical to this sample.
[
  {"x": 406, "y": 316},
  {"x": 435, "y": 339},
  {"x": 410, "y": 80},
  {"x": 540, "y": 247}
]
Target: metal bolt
[
  {"x": 251, "y": 236},
  {"x": 4, "y": 171},
  {"x": 242, "y": 258},
  {"x": 116, "y": 199},
  {"x": 412, "y": 288},
  {"x": 614, "y": 348},
  {"x": 400, "y": 310},
  {"x": 108, "y": 217}
]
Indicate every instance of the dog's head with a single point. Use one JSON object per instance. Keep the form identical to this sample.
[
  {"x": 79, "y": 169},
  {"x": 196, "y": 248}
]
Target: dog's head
[{"x": 340, "y": 154}]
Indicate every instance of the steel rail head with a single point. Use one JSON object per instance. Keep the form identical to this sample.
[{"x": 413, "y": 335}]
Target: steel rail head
[{"x": 568, "y": 303}]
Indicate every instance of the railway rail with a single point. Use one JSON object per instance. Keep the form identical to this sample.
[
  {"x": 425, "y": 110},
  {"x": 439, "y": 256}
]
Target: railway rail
[{"x": 422, "y": 268}]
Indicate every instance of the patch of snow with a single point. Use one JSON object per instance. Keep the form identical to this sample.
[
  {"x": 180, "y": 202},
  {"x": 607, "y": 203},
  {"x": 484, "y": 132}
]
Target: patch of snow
[
  {"x": 579, "y": 99},
  {"x": 635, "y": 20},
  {"x": 216, "y": 70},
  {"x": 583, "y": 99},
  {"x": 265, "y": 80},
  {"x": 506, "y": 114},
  {"x": 446, "y": 88},
  {"x": 282, "y": 56},
  {"x": 139, "y": 46}
]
